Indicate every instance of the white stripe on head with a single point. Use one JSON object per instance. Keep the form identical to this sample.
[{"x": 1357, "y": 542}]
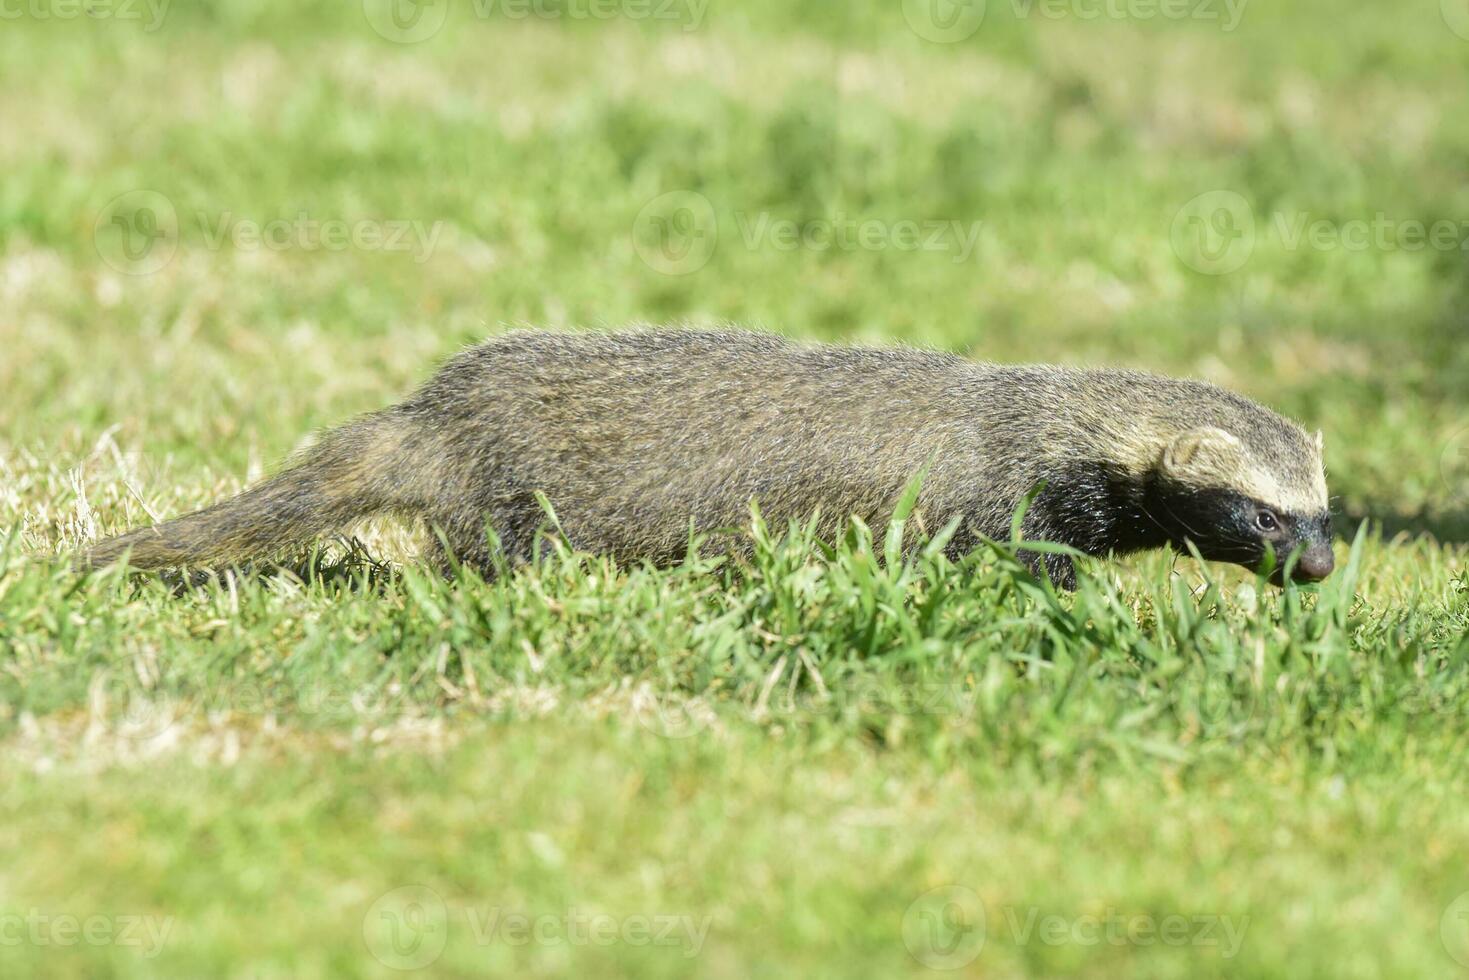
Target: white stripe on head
[
  {"x": 1212, "y": 457},
  {"x": 1302, "y": 501}
]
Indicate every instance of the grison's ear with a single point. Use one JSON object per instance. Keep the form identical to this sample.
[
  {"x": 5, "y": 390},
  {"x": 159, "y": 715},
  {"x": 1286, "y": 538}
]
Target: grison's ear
[{"x": 1196, "y": 447}]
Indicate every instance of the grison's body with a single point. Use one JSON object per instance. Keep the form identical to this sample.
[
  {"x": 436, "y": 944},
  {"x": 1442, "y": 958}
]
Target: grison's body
[{"x": 635, "y": 437}]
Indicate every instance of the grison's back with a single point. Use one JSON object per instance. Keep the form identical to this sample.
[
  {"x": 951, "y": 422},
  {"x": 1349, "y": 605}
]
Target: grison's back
[{"x": 656, "y": 427}]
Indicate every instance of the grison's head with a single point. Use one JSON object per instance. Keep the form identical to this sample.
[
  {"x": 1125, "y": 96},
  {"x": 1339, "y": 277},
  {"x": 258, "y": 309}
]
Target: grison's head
[{"x": 1245, "y": 493}]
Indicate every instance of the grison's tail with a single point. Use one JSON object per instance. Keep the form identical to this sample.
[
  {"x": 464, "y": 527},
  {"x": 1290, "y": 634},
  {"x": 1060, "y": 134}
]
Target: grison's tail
[{"x": 376, "y": 464}]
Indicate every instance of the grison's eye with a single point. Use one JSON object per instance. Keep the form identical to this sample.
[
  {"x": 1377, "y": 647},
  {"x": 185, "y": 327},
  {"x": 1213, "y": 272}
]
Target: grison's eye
[{"x": 1267, "y": 521}]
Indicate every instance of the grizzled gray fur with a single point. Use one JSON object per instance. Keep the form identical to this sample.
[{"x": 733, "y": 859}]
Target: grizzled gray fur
[{"x": 634, "y": 437}]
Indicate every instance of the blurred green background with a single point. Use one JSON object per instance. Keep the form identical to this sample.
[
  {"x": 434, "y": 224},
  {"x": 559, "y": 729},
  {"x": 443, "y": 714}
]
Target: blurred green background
[{"x": 226, "y": 224}]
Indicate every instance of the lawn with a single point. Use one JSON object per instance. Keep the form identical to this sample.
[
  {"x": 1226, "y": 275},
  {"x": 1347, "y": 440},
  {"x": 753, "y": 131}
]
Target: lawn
[{"x": 226, "y": 225}]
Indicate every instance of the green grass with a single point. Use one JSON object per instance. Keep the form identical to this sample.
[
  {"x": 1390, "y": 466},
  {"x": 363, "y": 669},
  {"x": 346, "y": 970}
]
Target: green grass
[{"x": 772, "y": 766}]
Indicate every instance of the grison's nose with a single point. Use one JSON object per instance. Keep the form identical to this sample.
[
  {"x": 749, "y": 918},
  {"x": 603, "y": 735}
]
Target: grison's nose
[{"x": 1315, "y": 563}]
